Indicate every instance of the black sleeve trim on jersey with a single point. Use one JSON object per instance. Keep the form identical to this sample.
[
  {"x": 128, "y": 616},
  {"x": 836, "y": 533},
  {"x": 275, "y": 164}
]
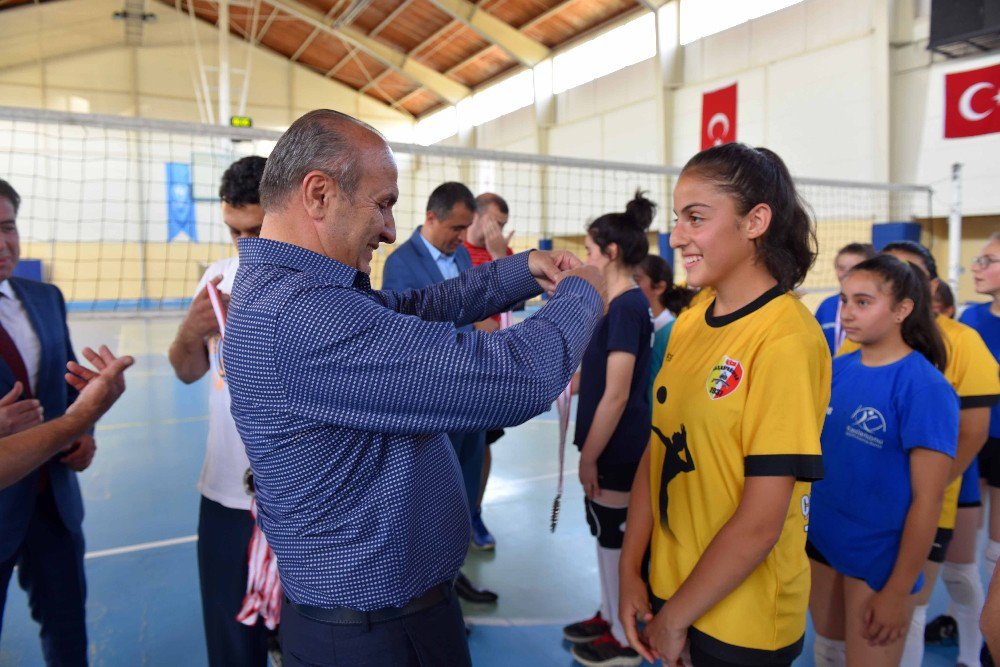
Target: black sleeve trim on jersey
[
  {"x": 966, "y": 402},
  {"x": 743, "y": 655},
  {"x": 804, "y": 467}
]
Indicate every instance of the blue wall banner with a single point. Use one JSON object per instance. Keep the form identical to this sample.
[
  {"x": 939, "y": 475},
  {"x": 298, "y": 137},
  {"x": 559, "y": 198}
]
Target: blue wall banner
[{"x": 180, "y": 205}]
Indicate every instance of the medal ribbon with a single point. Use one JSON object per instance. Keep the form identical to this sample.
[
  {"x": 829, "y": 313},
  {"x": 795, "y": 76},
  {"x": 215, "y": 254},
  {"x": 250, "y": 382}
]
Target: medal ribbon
[
  {"x": 563, "y": 402},
  {"x": 263, "y": 596}
]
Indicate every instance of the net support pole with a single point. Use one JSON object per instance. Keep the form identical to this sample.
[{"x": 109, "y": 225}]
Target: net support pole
[
  {"x": 225, "y": 111},
  {"x": 545, "y": 115},
  {"x": 955, "y": 229},
  {"x": 667, "y": 73}
]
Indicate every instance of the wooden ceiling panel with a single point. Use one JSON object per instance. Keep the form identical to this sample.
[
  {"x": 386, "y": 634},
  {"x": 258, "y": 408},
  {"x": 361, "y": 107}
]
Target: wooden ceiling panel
[
  {"x": 520, "y": 12},
  {"x": 577, "y": 17},
  {"x": 396, "y": 85},
  {"x": 418, "y": 28},
  {"x": 452, "y": 48},
  {"x": 287, "y": 38},
  {"x": 415, "y": 24},
  {"x": 421, "y": 103},
  {"x": 377, "y": 12},
  {"x": 358, "y": 70},
  {"x": 323, "y": 52},
  {"x": 487, "y": 65}
]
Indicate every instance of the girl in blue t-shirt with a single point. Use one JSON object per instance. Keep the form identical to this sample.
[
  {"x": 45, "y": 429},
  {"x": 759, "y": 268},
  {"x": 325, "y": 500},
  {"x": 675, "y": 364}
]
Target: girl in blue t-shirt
[
  {"x": 828, "y": 312},
  {"x": 888, "y": 444},
  {"x": 613, "y": 417},
  {"x": 985, "y": 319}
]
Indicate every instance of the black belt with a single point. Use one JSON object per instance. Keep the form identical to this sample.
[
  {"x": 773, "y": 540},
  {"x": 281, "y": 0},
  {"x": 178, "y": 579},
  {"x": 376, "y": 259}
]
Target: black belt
[{"x": 345, "y": 616}]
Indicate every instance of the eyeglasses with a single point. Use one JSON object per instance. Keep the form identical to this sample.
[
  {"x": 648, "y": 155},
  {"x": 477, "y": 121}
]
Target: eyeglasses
[{"x": 984, "y": 261}]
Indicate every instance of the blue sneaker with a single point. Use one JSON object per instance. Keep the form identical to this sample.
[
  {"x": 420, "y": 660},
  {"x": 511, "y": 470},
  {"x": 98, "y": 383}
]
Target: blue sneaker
[{"x": 481, "y": 537}]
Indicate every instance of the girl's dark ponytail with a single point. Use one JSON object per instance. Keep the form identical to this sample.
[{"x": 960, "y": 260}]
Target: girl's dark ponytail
[{"x": 627, "y": 230}]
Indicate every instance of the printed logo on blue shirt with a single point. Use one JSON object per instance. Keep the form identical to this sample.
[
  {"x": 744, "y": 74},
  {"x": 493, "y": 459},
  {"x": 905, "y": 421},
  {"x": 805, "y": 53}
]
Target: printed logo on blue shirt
[{"x": 865, "y": 423}]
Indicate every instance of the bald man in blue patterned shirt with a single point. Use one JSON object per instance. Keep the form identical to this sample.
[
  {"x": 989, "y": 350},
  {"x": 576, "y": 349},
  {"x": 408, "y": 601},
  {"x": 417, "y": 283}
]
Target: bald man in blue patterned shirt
[{"x": 342, "y": 396}]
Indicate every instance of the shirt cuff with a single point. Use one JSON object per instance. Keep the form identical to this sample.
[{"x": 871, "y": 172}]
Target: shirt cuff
[{"x": 515, "y": 278}]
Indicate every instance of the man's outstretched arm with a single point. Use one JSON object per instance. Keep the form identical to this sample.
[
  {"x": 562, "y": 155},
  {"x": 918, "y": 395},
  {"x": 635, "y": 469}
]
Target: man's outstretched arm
[{"x": 23, "y": 452}]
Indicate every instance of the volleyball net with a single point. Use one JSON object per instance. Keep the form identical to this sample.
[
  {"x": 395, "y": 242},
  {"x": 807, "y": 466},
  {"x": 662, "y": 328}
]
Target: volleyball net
[{"x": 123, "y": 214}]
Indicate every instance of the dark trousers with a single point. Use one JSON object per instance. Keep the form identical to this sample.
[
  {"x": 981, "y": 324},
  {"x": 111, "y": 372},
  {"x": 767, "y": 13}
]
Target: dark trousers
[
  {"x": 434, "y": 637},
  {"x": 223, "y": 542},
  {"x": 470, "y": 449},
  {"x": 50, "y": 569}
]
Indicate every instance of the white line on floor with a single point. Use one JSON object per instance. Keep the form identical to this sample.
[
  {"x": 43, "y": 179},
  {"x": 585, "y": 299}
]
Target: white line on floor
[
  {"x": 145, "y": 546},
  {"x": 496, "y": 621},
  {"x": 158, "y": 422}
]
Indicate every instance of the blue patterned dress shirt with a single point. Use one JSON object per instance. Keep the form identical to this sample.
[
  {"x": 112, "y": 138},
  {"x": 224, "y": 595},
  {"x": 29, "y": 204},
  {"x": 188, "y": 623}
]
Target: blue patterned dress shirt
[{"x": 342, "y": 396}]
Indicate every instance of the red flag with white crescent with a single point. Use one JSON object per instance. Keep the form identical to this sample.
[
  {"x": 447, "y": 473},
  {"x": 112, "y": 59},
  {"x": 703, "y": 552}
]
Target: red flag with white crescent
[
  {"x": 972, "y": 102},
  {"x": 718, "y": 117}
]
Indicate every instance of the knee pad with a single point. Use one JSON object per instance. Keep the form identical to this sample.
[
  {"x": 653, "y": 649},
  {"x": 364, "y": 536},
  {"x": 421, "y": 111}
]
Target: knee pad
[
  {"x": 829, "y": 652},
  {"x": 607, "y": 524},
  {"x": 963, "y": 583}
]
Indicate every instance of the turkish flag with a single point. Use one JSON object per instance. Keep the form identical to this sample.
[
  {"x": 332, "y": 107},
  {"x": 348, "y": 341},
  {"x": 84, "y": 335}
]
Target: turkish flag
[
  {"x": 972, "y": 102},
  {"x": 718, "y": 117}
]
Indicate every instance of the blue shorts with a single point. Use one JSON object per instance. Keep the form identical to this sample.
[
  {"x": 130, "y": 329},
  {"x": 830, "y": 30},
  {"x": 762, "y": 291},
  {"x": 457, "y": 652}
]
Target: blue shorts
[{"x": 969, "y": 495}]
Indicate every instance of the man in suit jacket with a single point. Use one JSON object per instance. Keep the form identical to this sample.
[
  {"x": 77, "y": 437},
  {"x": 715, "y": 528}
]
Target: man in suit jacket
[
  {"x": 41, "y": 516},
  {"x": 433, "y": 254}
]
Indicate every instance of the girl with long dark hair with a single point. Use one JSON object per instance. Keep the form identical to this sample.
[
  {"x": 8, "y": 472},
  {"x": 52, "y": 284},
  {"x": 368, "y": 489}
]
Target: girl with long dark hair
[
  {"x": 738, "y": 407},
  {"x": 888, "y": 444}
]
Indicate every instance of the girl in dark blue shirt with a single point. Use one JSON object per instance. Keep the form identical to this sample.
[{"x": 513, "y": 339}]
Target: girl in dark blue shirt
[
  {"x": 613, "y": 417},
  {"x": 888, "y": 443}
]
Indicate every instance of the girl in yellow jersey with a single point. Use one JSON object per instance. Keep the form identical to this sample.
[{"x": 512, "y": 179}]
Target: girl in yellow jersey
[{"x": 722, "y": 492}]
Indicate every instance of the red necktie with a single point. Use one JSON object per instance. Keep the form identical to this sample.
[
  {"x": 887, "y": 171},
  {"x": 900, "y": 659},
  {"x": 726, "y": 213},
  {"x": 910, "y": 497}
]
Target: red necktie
[{"x": 14, "y": 361}]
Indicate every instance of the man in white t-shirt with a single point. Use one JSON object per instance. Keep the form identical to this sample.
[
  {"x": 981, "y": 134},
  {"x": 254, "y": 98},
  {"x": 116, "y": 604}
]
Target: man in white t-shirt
[{"x": 224, "y": 522}]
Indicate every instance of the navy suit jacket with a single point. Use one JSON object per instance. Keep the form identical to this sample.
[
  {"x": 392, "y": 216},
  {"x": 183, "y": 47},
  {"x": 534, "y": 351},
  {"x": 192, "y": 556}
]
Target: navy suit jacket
[
  {"x": 47, "y": 311},
  {"x": 411, "y": 267}
]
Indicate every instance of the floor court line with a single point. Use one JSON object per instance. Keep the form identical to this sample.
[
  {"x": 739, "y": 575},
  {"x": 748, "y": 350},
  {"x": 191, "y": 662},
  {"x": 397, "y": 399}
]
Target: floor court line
[
  {"x": 155, "y": 422},
  {"x": 145, "y": 546}
]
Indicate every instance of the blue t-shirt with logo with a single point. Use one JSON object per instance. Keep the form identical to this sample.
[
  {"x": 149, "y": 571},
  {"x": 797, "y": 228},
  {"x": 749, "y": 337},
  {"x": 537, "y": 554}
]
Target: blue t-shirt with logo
[
  {"x": 876, "y": 416},
  {"x": 987, "y": 324},
  {"x": 827, "y": 316}
]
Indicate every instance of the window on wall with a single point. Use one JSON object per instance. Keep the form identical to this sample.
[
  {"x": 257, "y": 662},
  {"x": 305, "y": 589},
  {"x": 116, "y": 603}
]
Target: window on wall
[
  {"x": 614, "y": 50},
  {"x": 436, "y": 127},
  {"x": 502, "y": 98},
  {"x": 701, "y": 18}
]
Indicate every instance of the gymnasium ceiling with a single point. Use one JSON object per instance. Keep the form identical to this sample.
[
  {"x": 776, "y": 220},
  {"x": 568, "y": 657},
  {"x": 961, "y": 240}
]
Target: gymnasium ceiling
[{"x": 412, "y": 55}]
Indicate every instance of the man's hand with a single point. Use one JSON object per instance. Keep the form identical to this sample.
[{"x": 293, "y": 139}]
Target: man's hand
[
  {"x": 17, "y": 415},
  {"x": 548, "y": 267},
  {"x": 592, "y": 275},
  {"x": 98, "y": 390},
  {"x": 80, "y": 454},
  {"x": 201, "y": 322},
  {"x": 496, "y": 242}
]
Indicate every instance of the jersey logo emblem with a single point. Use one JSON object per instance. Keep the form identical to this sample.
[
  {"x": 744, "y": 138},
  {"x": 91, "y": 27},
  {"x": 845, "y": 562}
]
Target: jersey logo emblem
[
  {"x": 677, "y": 459},
  {"x": 866, "y": 425},
  {"x": 725, "y": 377}
]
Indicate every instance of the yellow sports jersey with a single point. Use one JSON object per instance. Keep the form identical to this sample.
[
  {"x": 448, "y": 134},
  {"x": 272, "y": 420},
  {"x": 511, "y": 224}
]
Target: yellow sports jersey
[
  {"x": 972, "y": 372},
  {"x": 704, "y": 295},
  {"x": 739, "y": 395}
]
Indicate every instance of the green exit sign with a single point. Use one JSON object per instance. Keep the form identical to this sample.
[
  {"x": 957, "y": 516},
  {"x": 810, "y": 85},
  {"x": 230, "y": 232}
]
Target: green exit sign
[{"x": 241, "y": 121}]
